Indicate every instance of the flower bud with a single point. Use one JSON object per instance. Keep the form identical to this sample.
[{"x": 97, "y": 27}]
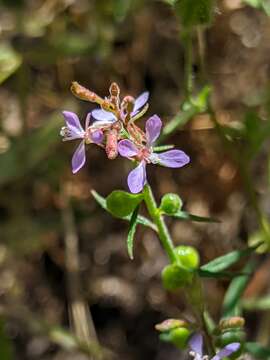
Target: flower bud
[
  {"x": 114, "y": 90},
  {"x": 175, "y": 277},
  {"x": 179, "y": 337},
  {"x": 232, "y": 322},
  {"x": 171, "y": 324},
  {"x": 170, "y": 203},
  {"x": 187, "y": 256}
]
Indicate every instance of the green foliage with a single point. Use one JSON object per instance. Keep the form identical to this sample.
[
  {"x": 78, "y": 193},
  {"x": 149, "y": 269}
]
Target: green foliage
[
  {"x": 255, "y": 304},
  {"x": 257, "y": 350},
  {"x": 170, "y": 204},
  {"x": 224, "y": 262},
  {"x": 183, "y": 215},
  {"x": 260, "y": 4},
  {"x": 187, "y": 256},
  {"x": 10, "y": 60},
  {"x": 140, "y": 219},
  {"x": 237, "y": 286},
  {"x": 29, "y": 151},
  {"x": 194, "y": 12},
  {"x": 131, "y": 232},
  {"x": 121, "y": 203}
]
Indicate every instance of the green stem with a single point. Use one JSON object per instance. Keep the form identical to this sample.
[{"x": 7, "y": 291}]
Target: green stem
[
  {"x": 164, "y": 235},
  {"x": 187, "y": 40}
]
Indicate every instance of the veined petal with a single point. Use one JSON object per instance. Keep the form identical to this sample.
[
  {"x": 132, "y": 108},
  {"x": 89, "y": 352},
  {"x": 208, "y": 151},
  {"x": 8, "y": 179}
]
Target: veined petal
[
  {"x": 87, "y": 121},
  {"x": 73, "y": 122},
  {"x": 127, "y": 148},
  {"x": 97, "y": 136},
  {"x": 140, "y": 102},
  {"x": 172, "y": 158},
  {"x": 137, "y": 178},
  {"x": 78, "y": 159},
  {"x": 152, "y": 128},
  {"x": 226, "y": 351},
  {"x": 196, "y": 344},
  {"x": 102, "y": 115}
]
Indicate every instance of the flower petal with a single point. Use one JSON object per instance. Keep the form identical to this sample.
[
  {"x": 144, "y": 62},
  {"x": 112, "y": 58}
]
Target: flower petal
[
  {"x": 97, "y": 136},
  {"x": 73, "y": 122},
  {"x": 140, "y": 102},
  {"x": 137, "y": 178},
  {"x": 196, "y": 343},
  {"x": 127, "y": 148},
  {"x": 78, "y": 159},
  {"x": 226, "y": 351},
  {"x": 172, "y": 158},
  {"x": 152, "y": 128},
  {"x": 102, "y": 115}
]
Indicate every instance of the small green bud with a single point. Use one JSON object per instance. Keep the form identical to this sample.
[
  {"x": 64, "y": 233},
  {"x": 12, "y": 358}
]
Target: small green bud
[
  {"x": 187, "y": 256},
  {"x": 170, "y": 203},
  {"x": 175, "y": 276},
  {"x": 170, "y": 324},
  {"x": 180, "y": 336}
]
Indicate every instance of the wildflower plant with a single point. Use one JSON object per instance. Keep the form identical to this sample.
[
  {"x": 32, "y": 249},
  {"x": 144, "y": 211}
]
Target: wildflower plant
[{"x": 114, "y": 127}]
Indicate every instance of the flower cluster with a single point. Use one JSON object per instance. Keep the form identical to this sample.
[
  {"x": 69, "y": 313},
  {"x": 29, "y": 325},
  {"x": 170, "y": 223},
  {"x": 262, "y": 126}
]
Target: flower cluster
[{"x": 112, "y": 127}]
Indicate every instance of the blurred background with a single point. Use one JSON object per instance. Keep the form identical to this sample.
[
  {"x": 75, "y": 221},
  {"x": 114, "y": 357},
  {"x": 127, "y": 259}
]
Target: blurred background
[{"x": 64, "y": 267}]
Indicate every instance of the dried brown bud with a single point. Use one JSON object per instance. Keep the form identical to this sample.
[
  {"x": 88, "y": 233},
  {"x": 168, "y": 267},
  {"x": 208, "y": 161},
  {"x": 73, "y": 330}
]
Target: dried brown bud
[
  {"x": 114, "y": 90},
  {"x": 128, "y": 104},
  {"x": 111, "y": 144},
  {"x": 84, "y": 94},
  {"x": 170, "y": 324},
  {"x": 232, "y": 322}
]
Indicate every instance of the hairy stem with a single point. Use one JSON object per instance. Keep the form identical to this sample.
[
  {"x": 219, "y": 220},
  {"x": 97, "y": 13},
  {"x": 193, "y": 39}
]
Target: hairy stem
[{"x": 164, "y": 235}]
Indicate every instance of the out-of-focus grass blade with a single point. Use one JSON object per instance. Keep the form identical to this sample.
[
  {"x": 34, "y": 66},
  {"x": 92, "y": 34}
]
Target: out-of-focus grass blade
[
  {"x": 140, "y": 219},
  {"x": 262, "y": 303},
  {"x": 10, "y": 60},
  {"x": 131, "y": 231},
  {"x": 6, "y": 350},
  {"x": 257, "y": 350},
  {"x": 27, "y": 152},
  {"x": 225, "y": 261},
  {"x": 237, "y": 287}
]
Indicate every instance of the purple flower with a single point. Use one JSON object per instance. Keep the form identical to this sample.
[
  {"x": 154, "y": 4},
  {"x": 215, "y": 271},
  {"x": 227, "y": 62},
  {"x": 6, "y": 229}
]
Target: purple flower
[
  {"x": 107, "y": 116},
  {"x": 196, "y": 345},
  {"x": 73, "y": 130},
  {"x": 144, "y": 154}
]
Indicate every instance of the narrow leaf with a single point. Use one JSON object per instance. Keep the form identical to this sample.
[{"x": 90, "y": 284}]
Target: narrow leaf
[
  {"x": 183, "y": 215},
  {"x": 131, "y": 231},
  {"x": 121, "y": 203},
  {"x": 141, "y": 219},
  {"x": 225, "y": 261},
  {"x": 236, "y": 289},
  {"x": 251, "y": 304},
  {"x": 218, "y": 274}
]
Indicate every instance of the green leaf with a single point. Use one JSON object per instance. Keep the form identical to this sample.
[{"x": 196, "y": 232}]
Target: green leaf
[
  {"x": 194, "y": 12},
  {"x": 257, "y": 350},
  {"x": 225, "y": 261},
  {"x": 121, "y": 203},
  {"x": 131, "y": 231},
  {"x": 183, "y": 215},
  {"x": 218, "y": 275},
  {"x": 9, "y": 61},
  {"x": 236, "y": 289},
  {"x": 141, "y": 219},
  {"x": 253, "y": 304}
]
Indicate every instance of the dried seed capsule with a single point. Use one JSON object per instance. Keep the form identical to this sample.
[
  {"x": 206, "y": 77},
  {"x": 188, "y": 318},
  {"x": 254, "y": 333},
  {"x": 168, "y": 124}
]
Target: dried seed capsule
[
  {"x": 232, "y": 322},
  {"x": 114, "y": 90}
]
